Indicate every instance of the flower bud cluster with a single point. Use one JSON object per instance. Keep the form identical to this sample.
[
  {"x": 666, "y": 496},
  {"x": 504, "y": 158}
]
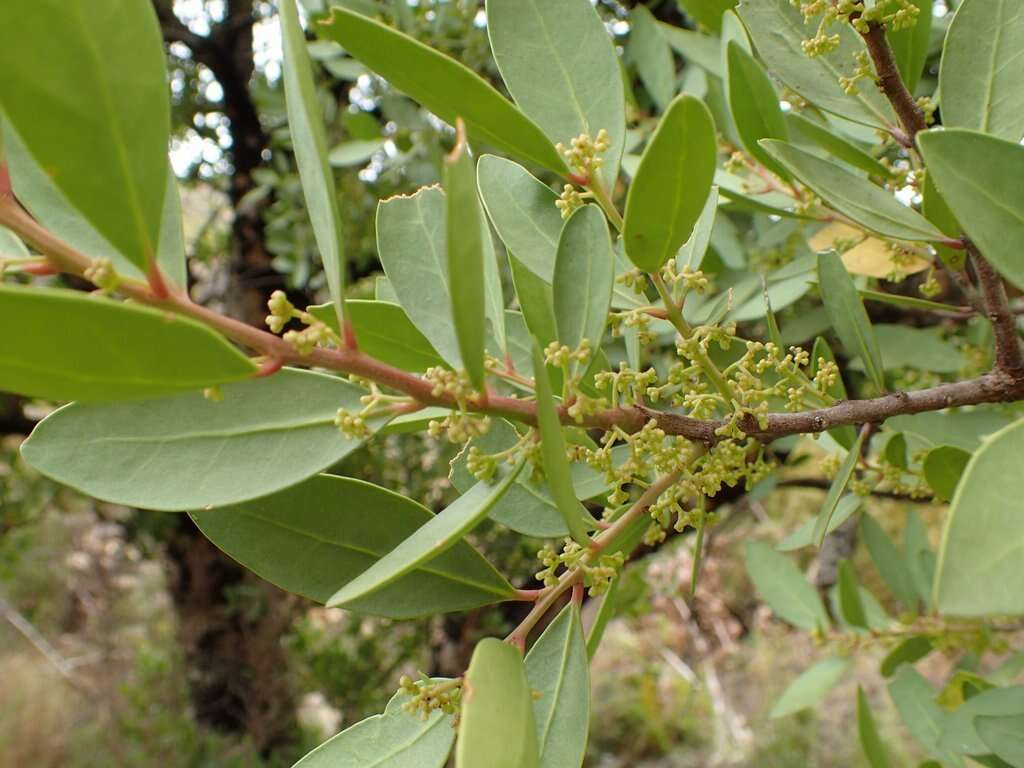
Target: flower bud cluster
[
  {"x": 597, "y": 576},
  {"x": 584, "y": 152},
  {"x": 569, "y": 200},
  {"x": 896, "y": 14},
  {"x": 426, "y": 696}
]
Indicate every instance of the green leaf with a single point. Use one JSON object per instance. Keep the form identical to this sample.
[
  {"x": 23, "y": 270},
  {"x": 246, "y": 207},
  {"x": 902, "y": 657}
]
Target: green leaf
[
  {"x": 464, "y": 246},
  {"x": 915, "y": 700},
  {"x": 979, "y": 177},
  {"x": 845, "y": 435},
  {"x": 394, "y": 739},
  {"x": 832, "y": 142},
  {"x": 412, "y": 248},
  {"x": 935, "y": 209},
  {"x": 671, "y": 185},
  {"x": 650, "y": 51},
  {"x": 385, "y": 332},
  {"x": 870, "y": 741},
  {"x": 67, "y": 345},
  {"x": 910, "y": 651},
  {"x": 707, "y": 12},
  {"x": 856, "y": 197},
  {"x": 961, "y": 733},
  {"x": 981, "y": 71},
  {"x": 849, "y": 318},
  {"x": 778, "y": 30},
  {"x": 978, "y": 571},
  {"x": 560, "y": 66},
  {"x": 810, "y": 687},
  {"x": 696, "y": 247},
  {"x": 536, "y": 299},
  {"x": 11, "y": 246},
  {"x": 919, "y": 556},
  {"x": 584, "y": 276},
  {"x": 605, "y": 612},
  {"x": 558, "y": 669},
  {"x": 264, "y": 435},
  {"x": 943, "y": 468},
  {"x": 836, "y": 490},
  {"x": 37, "y": 191},
  {"x": 354, "y": 154},
  {"x": 754, "y": 106},
  {"x": 910, "y": 46},
  {"x": 309, "y": 142},
  {"x": 702, "y": 50},
  {"x": 85, "y": 86},
  {"x": 442, "y": 85},
  {"x": 527, "y": 507},
  {"x": 851, "y": 608},
  {"x": 316, "y": 537},
  {"x": 437, "y": 536},
  {"x": 804, "y": 535},
  {"x": 923, "y": 348},
  {"x": 522, "y": 210},
  {"x": 552, "y": 445},
  {"x": 784, "y": 588},
  {"x": 1004, "y": 736},
  {"x": 496, "y": 727},
  {"x": 889, "y": 562}
]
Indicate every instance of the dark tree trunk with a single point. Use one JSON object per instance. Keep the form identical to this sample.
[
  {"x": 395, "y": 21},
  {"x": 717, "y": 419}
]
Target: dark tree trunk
[{"x": 231, "y": 622}]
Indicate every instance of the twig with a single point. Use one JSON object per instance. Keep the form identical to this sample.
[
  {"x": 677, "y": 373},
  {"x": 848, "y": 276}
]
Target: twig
[
  {"x": 889, "y": 80},
  {"x": 1003, "y": 319}
]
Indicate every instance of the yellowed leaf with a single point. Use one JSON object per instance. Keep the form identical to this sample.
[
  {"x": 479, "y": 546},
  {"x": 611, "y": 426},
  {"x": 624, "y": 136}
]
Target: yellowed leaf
[
  {"x": 870, "y": 256},
  {"x": 873, "y": 258}
]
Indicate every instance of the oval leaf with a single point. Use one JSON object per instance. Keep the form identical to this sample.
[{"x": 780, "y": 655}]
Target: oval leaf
[
  {"x": 522, "y": 210},
  {"x": 442, "y": 85},
  {"x": 833, "y": 142},
  {"x": 671, "y": 184},
  {"x": 837, "y": 489},
  {"x": 650, "y": 52},
  {"x": 889, "y": 562},
  {"x": 978, "y": 571},
  {"x": 384, "y": 332},
  {"x": 870, "y": 741},
  {"x": 496, "y": 727},
  {"x": 584, "y": 276},
  {"x": 779, "y": 30},
  {"x": 754, "y": 105},
  {"x": 464, "y": 248},
  {"x": 315, "y": 537},
  {"x": 982, "y": 69},
  {"x": 412, "y": 248},
  {"x": 910, "y": 46},
  {"x": 309, "y": 142},
  {"x": 436, "y": 537},
  {"x": 943, "y": 468},
  {"x": 187, "y": 452},
  {"x": 560, "y": 66},
  {"x": 1004, "y": 736},
  {"x": 784, "y": 588},
  {"x": 864, "y": 202},
  {"x": 394, "y": 739},
  {"x": 85, "y": 86},
  {"x": 558, "y": 669},
  {"x": 552, "y": 445},
  {"x": 808, "y": 689},
  {"x": 67, "y": 345},
  {"x": 910, "y": 651},
  {"x": 979, "y": 178},
  {"x": 849, "y": 318},
  {"x": 37, "y": 191}
]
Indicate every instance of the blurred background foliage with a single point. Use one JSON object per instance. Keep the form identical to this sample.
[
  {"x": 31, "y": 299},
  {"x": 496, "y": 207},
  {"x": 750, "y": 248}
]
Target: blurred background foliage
[{"x": 127, "y": 640}]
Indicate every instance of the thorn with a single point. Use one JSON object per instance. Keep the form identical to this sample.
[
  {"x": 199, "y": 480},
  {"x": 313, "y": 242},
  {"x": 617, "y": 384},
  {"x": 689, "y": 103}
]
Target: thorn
[
  {"x": 269, "y": 367},
  {"x": 156, "y": 281}
]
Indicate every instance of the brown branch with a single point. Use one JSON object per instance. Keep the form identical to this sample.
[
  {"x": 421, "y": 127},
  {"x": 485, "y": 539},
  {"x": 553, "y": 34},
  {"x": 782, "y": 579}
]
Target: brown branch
[
  {"x": 889, "y": 80},
  {"x": 999, "y": 313},
  {"x": 1001, "y": 385}
]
